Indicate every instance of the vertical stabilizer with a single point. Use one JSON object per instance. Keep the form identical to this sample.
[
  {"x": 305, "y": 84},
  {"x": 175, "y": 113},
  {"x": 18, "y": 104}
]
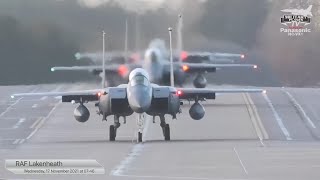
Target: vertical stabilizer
[
  {"x": 103, "y": 61},
  {"x": 126, "y": 43},
  {"x": 179, "y": 36},
  {"x": 171, "y": 59}
]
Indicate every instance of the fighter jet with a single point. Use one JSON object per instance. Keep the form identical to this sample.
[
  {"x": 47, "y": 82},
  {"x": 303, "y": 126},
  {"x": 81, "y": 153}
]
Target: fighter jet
[
  {"x": 156, "y": 63},
  {"x": 178, "y": 54},
  {"x": 139, "y": 96},
  {"x": 303, "y": 12}
]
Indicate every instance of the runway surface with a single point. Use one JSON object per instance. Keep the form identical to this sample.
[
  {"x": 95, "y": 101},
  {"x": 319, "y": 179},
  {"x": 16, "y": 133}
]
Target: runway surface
[{"x": 272, "y": 136}]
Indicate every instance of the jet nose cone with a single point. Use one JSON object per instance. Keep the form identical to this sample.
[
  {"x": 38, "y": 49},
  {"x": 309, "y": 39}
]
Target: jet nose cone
[{"x": 139, "y": 99}]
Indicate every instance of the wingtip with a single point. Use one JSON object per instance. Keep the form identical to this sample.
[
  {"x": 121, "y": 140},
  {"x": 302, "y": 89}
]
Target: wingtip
[
  {"x": 264, "y": 92},
  {"x": 12, "y": 96},
  {"x": 52, "y": 69}
]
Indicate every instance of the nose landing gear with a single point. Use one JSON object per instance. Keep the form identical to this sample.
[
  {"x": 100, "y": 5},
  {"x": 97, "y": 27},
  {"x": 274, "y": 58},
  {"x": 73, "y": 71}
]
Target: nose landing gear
[{"x": 140, "y": 124}]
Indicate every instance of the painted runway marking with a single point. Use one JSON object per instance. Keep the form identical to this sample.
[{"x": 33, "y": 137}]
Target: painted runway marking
[
  {"x": 16, "y": 141},
  {"x": 21, "y": 120},
  {"x": 277, "y": 117},
  {"x": 255, "y": 119},
  {"x": 16, "y": 102},
  {"x": 44, "y": 98},
  {"x": 8, "y": 109},
  {"x": 21, "y": 141},
  {"x": 260, "y": 124},
  {"x": 243, "y": 167},
  {"x": 44, "y": 119},
  {"x": 35, "y": 123},
  {"x": 134, "y": 153},
  {"x": 35, "y": 106},
  {"x": 123, "y": 166},
  {"x": 40, "y": 123},
  {"x": 300, "y": 109}
]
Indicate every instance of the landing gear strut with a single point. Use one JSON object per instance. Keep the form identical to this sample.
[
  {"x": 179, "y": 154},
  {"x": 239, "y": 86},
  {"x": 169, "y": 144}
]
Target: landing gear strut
[
  {"x": 165, "y": 128},
  {"x": 140, "y": 124},
  {"x": 113, "y": 128}
]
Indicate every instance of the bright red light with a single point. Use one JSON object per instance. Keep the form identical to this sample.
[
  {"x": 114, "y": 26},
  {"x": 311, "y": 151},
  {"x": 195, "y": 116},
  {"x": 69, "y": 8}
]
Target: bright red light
[
  {"x": 179, "y": 92},
  {"x": 99, "y": 94},
  {"x": 123, "y": 70},
  {"x": 183, "y": 55}
]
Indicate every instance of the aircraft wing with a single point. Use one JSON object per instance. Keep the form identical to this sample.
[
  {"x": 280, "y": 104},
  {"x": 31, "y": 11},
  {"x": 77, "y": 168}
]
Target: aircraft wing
[
  {"x": 68, "y": 93},
  {"x": 208, "y": 56},
  {"x": 196, "y": 93},
  {"x": 85, "y": 68},
  {"x": 219, "y": 55},
  {"x": 204, "y": 67},
  {"x": 85, "y": 95}
]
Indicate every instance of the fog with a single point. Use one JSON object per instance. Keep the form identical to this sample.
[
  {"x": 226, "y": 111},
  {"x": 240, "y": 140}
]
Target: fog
[{"x": 38, "y": 34}]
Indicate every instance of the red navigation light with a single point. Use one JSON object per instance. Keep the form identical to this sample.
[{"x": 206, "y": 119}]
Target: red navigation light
[
  {"x": 179, "y": 92},
  {"x": 99, "y": 94},
  {"x": 242, "y": 56},
  {"x": 185, "y": 68},
  {"x": 183, "y": 55},
  {"x": 123, "y": 70}
]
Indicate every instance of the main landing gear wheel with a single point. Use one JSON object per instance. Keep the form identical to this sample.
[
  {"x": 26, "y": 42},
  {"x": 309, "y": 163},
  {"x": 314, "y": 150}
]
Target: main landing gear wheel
[
  {"x": 166, "y": 132},
  {"x": 139, "y": 137},
  {"x": 112, "y": 133}
]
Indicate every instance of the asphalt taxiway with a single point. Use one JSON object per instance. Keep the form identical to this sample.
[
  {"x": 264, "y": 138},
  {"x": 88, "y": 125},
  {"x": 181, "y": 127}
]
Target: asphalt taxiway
[{"x": 242, "y": 136}]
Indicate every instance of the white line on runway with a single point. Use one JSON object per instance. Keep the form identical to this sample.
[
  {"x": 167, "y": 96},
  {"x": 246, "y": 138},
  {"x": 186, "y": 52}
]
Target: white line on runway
[
  {"x": 35, "y": 105},
  {"x": 243, "y": 167},
  {"x": 299, "y": 107},
  {"x": 40, "y": 123},
  {"x": 21, "y": 120},
  {"x": 21, "y": 141},
  {"x": 35, "y": 123},
  {"x": 10, "y": 107},
  {"x": 44, "y": 98},
  {"x": 277, "y": 117},
  {"x": 134, "y": 153},
  {"x": 44, "y": 119},
  {"x": 16, "y": 102},
  {"x": 16, "y": 141},
  {"x": 255, "y": 119}
]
